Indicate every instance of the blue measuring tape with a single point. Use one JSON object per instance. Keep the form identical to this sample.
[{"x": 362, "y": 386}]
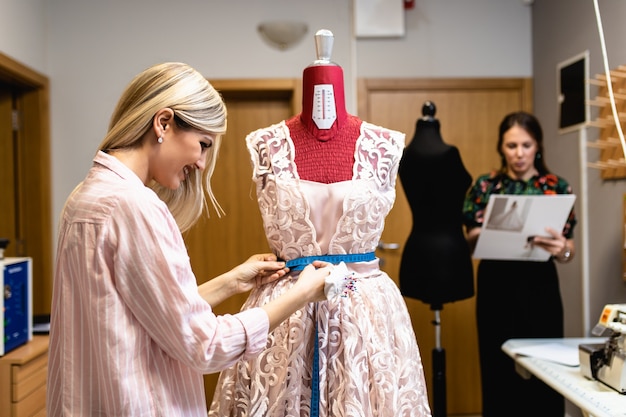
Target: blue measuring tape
[
  {"x": 298, "y": 264},
  {"x": 315, "y": 378}
]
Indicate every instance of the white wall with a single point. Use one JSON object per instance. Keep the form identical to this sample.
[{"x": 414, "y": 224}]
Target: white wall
[
  {"x": 99, "y": 45},
  {"x": 23, "y": 30},
  {"x": 454, "y": 38},
  {"x": 95, "y": 47},
  {"x": 563, "y": 29}
]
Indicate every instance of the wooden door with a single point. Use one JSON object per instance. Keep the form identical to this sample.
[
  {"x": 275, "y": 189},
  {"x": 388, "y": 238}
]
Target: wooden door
[
  {"x": 7, "y": 171},
  {"x": 218, "y": 244},
  {"x": 25, "y": 203},
  {"x": 469, "y": 112}
]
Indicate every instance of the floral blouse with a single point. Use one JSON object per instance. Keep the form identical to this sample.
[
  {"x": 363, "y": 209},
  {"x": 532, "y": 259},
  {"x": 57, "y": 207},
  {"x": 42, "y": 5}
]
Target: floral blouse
[{"x": 498, "y": 183}]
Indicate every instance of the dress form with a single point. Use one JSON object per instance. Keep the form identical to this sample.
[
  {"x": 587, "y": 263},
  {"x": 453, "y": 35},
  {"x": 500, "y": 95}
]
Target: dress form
[
  {"x": 436, "y": 265},
  {"x": 436, "y": 262},
  {"x": 324, "y": 188}
]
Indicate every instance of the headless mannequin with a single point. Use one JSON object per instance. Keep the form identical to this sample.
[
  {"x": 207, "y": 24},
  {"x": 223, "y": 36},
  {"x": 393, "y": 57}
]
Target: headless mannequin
[
  {"x": 324, "y": 154},
  {"x": 436, "y": 265}
]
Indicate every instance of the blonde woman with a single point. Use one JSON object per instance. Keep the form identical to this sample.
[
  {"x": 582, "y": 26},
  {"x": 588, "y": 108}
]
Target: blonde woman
[{"x": 131, "y": 332}]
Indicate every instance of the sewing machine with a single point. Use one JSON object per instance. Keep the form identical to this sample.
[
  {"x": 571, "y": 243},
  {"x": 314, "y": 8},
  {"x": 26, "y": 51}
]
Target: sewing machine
[{"x": 605, "y": 362}]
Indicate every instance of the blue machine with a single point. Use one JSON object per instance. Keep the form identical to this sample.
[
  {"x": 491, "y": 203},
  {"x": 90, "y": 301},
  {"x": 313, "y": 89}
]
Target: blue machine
[{"x": 16, "y": 314}]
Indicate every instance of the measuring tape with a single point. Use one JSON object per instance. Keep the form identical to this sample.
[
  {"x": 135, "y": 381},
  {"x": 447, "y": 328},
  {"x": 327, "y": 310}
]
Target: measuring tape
[{"x": 298, "y": 264}]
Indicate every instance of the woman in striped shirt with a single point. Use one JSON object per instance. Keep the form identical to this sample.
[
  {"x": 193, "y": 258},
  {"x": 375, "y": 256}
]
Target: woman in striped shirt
[{"x": 131, "y": 331}]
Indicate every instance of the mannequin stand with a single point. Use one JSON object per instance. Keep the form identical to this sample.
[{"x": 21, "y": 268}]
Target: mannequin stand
[{"x": 439, "y": 368}]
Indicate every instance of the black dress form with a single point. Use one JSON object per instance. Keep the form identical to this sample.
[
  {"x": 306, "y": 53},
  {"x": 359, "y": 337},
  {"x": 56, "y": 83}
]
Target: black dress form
[{"x": 436, "y": 265}]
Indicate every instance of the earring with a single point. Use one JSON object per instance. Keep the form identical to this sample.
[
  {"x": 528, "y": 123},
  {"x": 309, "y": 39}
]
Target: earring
[{"x": 160, "y": 139}]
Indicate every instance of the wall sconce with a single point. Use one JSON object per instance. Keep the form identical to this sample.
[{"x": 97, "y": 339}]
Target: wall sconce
[{"x": 282, "y": 34}]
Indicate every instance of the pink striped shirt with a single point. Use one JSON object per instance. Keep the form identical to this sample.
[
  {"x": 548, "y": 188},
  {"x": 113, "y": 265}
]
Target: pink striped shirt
[{"x": 130, "y": 335}]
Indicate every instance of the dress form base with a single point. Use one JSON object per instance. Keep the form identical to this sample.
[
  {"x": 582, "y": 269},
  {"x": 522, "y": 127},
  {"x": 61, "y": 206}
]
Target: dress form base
[{"x": 439, "y": 367}]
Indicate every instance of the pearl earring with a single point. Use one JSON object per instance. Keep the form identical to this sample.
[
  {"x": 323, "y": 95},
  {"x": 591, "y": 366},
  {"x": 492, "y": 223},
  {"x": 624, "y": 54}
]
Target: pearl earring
[{"x": 160, "y": 139}]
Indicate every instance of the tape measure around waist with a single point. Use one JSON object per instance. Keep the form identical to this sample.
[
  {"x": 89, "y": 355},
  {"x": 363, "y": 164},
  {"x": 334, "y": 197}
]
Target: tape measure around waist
[{"x": 298, "y": 264}]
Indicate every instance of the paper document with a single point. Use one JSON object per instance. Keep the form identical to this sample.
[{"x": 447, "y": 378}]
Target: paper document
[
  {"x": 512, "y": 220},
  {"x": 553, "y": 352}
]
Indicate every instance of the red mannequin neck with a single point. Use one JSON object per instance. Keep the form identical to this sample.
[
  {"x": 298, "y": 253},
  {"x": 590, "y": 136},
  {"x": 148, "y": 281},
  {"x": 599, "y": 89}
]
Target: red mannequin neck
[{"x": 316, "y": 75}]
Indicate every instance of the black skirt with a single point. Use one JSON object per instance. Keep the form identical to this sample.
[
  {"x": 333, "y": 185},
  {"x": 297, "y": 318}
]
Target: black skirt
[{"x": 516, "y": 299}]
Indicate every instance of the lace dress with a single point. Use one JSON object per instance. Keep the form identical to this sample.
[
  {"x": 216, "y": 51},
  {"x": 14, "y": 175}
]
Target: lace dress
[{"x": 369, "y": 361}]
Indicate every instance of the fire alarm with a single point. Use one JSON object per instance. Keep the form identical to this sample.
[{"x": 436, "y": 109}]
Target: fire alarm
[{"x": 409, "y": 4}]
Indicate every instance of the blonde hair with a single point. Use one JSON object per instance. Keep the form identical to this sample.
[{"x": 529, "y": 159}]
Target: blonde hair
[{"x": 196, "y": 105}]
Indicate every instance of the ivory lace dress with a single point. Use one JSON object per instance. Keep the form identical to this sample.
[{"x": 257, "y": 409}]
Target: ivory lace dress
[{"x": 369, "y": 362}]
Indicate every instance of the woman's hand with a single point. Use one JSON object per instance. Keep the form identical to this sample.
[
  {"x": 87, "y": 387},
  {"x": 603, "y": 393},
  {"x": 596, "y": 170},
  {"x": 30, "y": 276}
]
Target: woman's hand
[
  {"x": 312, "y": 280},
  {"x": 255, "y": 271},
  {"x": 258, "y": 270},
  {"x": 557, "y": 245},
  {"x": 472, "y": 237},
  {"x": 308, "y": 288}
]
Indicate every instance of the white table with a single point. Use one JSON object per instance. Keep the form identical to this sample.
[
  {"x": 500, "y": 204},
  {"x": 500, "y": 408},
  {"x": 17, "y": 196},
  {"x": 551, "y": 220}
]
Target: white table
[{"x": 592, "y": 397}]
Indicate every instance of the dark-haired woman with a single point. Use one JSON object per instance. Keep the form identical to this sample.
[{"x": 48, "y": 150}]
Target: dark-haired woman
[{"x": 518, "y": 299}]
